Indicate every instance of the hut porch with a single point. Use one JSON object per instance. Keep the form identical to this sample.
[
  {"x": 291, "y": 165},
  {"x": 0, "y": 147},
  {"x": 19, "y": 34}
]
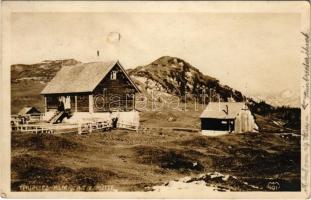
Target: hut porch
[{"x": 92, "y": 103}]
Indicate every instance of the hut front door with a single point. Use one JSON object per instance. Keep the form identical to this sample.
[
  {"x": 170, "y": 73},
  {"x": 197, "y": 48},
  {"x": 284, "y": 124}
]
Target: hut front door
[{"x": 231, "y": 126}]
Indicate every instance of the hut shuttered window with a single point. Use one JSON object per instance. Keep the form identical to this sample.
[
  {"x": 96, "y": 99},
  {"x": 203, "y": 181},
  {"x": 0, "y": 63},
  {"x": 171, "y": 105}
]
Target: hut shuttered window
[
  {"x": 113, "y": 75},
  {"x": 52, "y": 102}
]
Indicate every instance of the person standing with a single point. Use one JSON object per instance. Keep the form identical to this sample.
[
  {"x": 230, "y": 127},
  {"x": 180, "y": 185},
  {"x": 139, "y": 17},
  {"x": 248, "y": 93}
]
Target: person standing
[
  {"x": 115, "y": 118},
  {"x": 61, "y": 106},
  {"x": 67, "y": 106}
]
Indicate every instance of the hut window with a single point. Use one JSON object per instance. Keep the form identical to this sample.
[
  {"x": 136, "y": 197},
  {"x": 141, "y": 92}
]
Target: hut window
[{"x": 113, "y": 75}]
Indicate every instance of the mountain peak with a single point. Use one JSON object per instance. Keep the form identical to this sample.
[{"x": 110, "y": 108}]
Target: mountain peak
[{"x": 168, "y": 60}]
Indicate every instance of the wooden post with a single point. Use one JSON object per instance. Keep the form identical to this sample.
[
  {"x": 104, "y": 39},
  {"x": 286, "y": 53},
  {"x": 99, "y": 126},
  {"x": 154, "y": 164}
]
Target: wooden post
[
  {"x": 241, "y": 124},
  {"x": 91, "y": 104},
  {"x": 76, "y": 103},
  {"x": 126, "y": 102},
  {"x": 134, "y": 101},
  {"x": 90, "y": 127},
  {"x": 79, "y": 129},
  {"x": 45, "y": 105}
]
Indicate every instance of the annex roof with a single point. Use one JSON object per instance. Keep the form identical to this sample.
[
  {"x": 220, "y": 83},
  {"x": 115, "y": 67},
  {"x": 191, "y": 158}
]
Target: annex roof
[{"x": 223, "y": 110}]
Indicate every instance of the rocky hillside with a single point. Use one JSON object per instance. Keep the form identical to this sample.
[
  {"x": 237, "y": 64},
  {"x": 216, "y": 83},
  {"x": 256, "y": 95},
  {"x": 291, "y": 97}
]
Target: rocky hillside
[{"x": 177, "y": 77}]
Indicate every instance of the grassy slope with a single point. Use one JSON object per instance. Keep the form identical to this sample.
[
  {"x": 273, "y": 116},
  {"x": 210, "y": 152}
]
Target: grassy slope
[
  {"x": 26, "y": 94},
  {"x": 132, "y": 161}
]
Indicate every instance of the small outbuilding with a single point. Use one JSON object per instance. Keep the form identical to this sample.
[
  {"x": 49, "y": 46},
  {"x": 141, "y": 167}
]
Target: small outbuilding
[{"x": 227, "y": 117}]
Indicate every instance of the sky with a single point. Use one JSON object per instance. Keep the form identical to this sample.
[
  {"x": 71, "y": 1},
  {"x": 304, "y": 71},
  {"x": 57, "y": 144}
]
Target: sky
[{"x": 256, "y": 53}]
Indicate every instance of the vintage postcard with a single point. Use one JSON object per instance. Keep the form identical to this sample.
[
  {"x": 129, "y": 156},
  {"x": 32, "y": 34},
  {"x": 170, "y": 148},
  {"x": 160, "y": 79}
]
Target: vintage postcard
[{"x": 155, "y": 99}]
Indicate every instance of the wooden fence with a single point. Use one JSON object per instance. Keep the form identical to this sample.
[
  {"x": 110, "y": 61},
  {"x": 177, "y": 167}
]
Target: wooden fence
[
  {"x": 89, "y": 127},
  {"x": 58, "y": 129},
  {"x": 123, "y": 125},
  {"x": 31, "y": 128},
  {"x": 81, "y": 128},
  {"x": 29, "y": 123}
]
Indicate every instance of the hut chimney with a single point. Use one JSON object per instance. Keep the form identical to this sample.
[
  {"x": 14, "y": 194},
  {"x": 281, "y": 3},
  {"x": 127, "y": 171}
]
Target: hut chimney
[{"x": 226, "y": 110}]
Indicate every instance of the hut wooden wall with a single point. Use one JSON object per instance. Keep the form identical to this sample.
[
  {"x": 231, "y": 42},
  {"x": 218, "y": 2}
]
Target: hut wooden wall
[
  {"x": 72, "y": 102},
  {"x": 115, "y": 94},
  {"x": 82, "y": 103}
]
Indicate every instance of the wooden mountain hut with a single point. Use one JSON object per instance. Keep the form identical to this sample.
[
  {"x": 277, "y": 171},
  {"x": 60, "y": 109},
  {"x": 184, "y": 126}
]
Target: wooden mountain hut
[{"x": 96, "y": 87}]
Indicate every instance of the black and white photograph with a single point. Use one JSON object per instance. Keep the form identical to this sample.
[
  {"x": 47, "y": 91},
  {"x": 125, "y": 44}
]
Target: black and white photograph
[{"x": 157, "y": 97}]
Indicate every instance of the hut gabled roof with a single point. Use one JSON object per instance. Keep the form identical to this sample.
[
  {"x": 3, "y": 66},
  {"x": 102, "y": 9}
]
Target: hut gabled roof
[
  {"x": 28, "y": 110},
  {"x": 82, "y": 77},
  {"x": 223, "y": 110}
]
